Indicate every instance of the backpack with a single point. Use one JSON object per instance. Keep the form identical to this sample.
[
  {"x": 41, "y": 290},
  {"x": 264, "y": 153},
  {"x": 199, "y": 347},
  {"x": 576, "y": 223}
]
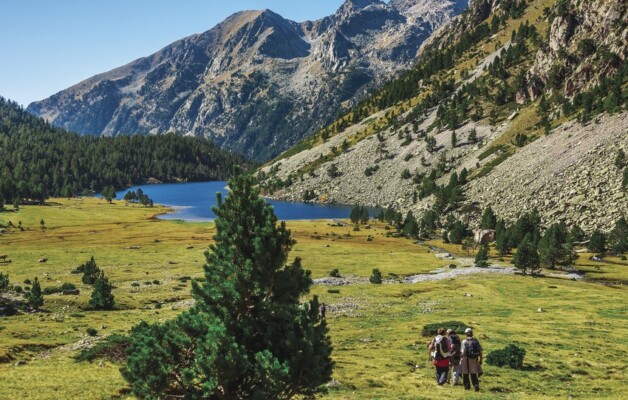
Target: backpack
[
  {"x": 455, "y": 344},
  {"x": 473, "y": 348},
  {"x": 437, "y": 350}
]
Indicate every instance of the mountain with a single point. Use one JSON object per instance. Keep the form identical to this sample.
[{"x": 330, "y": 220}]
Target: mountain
[
  {"x": 256, "y": 83},
  {"x": 514, "y": 105}
]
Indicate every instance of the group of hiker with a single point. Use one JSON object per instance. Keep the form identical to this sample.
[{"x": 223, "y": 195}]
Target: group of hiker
[{"x": 463, "y": 357}]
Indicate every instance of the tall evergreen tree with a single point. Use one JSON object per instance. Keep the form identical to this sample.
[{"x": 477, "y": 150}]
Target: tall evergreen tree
[
  {"x": 247, "y": 336},
  {"x": 597, "y": 242},
  {"x": 618, "y": 237},
  {"x": 489, "y": 220},
  {"x": 102, "y": 296},
  {"x": 481, "y": 259},
  {"x": 35, "y": 297},
  {"x": 355, "y": 214},
  {"x": 526, "y": 258},
  {"x": 90, "y": 271},
  {"x": 576, "y": 234},
  {"x": 554, "y": 247},
  {"x": 410, "y": 226}
]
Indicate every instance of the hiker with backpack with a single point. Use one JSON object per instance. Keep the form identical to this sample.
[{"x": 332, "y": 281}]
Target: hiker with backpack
[
  {"x": 471, "y": 361},
  {"x": 439, "y": 354},
  {"x": 454, "y": 361}
]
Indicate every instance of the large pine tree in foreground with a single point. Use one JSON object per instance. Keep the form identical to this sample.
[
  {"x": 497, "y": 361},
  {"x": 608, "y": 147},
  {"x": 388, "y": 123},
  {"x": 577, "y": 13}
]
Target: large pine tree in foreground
[{"x": 248, "y": 336}]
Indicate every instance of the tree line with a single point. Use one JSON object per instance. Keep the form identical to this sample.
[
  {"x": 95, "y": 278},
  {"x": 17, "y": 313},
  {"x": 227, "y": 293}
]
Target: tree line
[{"x": 38, "y": 160}]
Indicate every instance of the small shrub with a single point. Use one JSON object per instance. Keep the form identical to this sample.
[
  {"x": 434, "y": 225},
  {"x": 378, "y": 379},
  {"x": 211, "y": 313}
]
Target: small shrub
[
  {"x": 333, "y": 291},
  {"x": 453, "y": 266},
  {"x": 68, "y": 286},
  {"x": 17, "y": 289},
  {"x": 511, "y": 355},
  {"x": 27, "y": 282},
  {"x": 112, "y": 348},
  {"x": 334, "y": 273},
  {"x": 135, "y": 284},
  {"x": 376, "y": 277},
  {"x": 92, "y": 332},
  {"x": 156, "y": 282},
  {"x": 51, "y": 290}
]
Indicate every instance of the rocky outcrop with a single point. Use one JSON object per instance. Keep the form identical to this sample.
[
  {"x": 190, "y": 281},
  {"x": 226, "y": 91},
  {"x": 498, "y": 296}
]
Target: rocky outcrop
[
  {"x": 587, "y": 40},
  {"x": 256, "y": 83}
]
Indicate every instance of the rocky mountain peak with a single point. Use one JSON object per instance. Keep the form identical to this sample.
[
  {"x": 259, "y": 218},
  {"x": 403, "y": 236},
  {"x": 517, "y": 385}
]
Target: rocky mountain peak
[{"x": 256, "y": 83}]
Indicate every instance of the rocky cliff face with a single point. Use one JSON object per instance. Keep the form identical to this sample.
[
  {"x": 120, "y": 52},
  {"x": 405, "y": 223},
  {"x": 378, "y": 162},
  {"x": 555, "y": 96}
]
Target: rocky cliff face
[{"x": 256, "y": 83}]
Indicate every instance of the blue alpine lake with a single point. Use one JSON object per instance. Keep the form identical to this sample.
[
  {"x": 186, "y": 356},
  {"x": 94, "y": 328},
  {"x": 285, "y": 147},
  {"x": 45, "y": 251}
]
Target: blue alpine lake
[{"x": 193, "y": 202}]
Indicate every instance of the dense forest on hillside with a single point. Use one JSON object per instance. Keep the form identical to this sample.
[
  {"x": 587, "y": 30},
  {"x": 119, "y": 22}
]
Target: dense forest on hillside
[{"x": 38, "y": 161}]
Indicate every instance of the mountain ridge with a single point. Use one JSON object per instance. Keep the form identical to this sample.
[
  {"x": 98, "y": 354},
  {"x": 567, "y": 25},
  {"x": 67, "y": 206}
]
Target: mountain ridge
[{"x": 256, "y": 83}]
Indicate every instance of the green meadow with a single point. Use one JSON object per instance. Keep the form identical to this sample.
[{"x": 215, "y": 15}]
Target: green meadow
[{"x": 574, "y": 331}]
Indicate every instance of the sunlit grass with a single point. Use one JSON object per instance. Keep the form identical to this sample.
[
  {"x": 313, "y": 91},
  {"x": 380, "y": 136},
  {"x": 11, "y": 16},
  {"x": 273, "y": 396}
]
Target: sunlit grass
[{"x": 376, "y": 329}]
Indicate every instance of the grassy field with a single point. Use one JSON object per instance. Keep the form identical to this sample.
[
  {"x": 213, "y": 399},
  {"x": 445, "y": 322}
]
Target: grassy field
[{"x": 574, "y": 345}]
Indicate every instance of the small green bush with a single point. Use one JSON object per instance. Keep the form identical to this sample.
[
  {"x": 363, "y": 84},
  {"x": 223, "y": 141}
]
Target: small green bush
[
  {"x": 112, "y": 348},
  {"x": 92, "y": 332},
  {"x": 334, "y": 273},
  {"x": 68, "y": 286},
  {"x": 17, "y": 289},
  {"x": 51, "y": 290},
  {"x": 511, "y": 355},
  {"x": 376, "y": 277}
]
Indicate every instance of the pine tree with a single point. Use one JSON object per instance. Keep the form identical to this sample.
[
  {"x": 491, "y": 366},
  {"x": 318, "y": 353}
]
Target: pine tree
[
  {"x": 410, "y": 226},
  {"x": 35, "y": 297},
  {"x": 247, "y": 336},
  {"x": 102, "y": 296},
  {"x": 90, "y": 271},
  {"x": 481, "y": 259},
  {"x": 554, "y": 247},
  {"x": 597, "y": 242},
  {"x": 355, "y": 214},
  {"x": 489, "y": 219},
  {"x": 364, "y": 215},
  {"x": 502, "y": 241},
  {"x": 526, "y": 258},
  {"x": 4, "y": 282},
  {"x": 618, "y": 237},
  {"x": 576, "y": 235},
  {"x": 454, "y": 139}
]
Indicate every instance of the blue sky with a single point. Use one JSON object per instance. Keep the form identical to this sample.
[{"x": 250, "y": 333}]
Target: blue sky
[{"x": 49, "y": 45}]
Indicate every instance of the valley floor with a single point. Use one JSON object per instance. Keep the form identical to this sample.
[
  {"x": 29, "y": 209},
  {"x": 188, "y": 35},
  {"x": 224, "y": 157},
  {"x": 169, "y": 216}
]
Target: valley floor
[{"x": 574, "y": 331}]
